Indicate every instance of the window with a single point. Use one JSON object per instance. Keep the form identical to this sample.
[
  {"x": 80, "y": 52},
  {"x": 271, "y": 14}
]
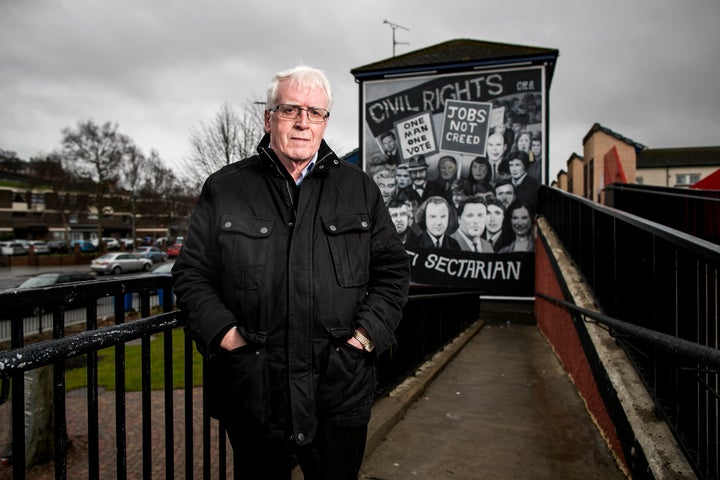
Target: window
[
  {"x": 686, "y": 179},
  {"x": 38, "y": 199}
]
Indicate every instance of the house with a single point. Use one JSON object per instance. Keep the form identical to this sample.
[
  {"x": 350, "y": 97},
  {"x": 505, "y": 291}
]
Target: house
[{"x": 610, "y": 157}]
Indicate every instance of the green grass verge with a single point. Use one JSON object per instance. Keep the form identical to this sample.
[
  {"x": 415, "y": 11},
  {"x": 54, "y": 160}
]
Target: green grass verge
[{"x": 77, "y": 377}]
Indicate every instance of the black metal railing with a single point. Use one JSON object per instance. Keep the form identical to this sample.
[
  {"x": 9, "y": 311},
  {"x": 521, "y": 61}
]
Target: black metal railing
[
  {"x": 431, "y": 318},
  {"x": 659, "y": 280},
  {"x": 695, "y": 212}
]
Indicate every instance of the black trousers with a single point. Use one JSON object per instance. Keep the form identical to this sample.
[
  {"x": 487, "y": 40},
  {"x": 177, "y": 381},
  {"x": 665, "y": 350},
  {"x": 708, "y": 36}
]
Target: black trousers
[{"x": 335, "y": 453}]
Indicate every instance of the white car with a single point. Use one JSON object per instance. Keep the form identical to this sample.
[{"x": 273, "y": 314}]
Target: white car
[
  {"x": 39, "y": 247},
  {"x": 14, "y": 247},
  {"x": 120, "y": 262},
  {"x": 111, "y": 243}
]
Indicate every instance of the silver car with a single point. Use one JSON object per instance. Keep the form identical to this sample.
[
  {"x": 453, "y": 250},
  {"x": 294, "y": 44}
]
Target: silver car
[{"x": 120, "y": 262}]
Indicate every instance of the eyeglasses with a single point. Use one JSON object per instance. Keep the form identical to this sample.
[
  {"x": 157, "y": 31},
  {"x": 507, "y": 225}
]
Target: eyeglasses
[{"x": 293, "y": 112}]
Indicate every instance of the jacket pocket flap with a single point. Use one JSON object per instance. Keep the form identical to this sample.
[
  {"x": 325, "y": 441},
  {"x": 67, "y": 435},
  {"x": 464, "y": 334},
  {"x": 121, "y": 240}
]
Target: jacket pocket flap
[
  {"x": 339, "y": 224},
  {"x": 248, "y": 226}
]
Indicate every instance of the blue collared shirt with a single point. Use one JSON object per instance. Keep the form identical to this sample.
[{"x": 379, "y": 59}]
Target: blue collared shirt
[{"x": 306, "y": 170}]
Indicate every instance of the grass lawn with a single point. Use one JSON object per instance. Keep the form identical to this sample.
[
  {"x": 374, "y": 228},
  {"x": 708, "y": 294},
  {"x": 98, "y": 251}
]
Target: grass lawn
[{"x": 77, "y": 377}]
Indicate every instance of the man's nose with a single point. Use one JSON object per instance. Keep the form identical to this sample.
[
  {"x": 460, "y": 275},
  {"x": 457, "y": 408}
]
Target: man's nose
[{"x": 303, "y": 119}]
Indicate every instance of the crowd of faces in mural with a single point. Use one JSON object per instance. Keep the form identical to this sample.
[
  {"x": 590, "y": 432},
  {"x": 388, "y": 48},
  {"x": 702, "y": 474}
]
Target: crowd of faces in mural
[{"x": 486, "y": 207}]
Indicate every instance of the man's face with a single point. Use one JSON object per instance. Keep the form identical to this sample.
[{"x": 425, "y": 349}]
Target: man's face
[
  {"x": 473, "y": 219},
  {"x": 296, "y": 140},
  {"x": 517, "y": 168},
  {"x": 419, "y": 176},
  {"x": 448, "y": 169},
  {"x": 388, "y": 143},
  {"x": 506, "y": 194},
  {"x": 495, "y": 217},
  {"x": 387, "y": 187},
  {"x": 399, "y": 217},
  {"x": 402, "y": 176},
  {"x": 495, "y": 147},
  {"x": 520, "y": 221},
  {"x": 436, "y": 218}
]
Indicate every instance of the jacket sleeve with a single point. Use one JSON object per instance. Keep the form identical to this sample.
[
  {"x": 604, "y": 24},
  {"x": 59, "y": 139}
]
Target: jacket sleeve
[
  {"x": 197, "y": 276},
  {"x": 381, "y": 311}
]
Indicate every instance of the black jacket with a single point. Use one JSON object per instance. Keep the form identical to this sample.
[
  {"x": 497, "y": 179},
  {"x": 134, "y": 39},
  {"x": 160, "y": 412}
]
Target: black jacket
[{"x": 296, "y": 270}]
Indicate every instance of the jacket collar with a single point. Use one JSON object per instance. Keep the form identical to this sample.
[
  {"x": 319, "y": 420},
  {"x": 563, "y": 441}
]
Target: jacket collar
[{"x": 326, "y": 157}]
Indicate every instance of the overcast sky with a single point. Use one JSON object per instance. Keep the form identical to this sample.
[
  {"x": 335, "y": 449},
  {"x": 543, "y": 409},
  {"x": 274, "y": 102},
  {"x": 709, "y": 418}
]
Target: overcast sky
[{"x": 647, "y": 69}]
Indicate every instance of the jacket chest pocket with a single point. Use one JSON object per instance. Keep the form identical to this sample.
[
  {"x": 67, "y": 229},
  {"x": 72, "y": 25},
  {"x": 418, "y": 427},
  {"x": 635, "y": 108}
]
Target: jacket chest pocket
[
  {"x": 348, "y": 238},
  {"x": 245, "y": 243}
]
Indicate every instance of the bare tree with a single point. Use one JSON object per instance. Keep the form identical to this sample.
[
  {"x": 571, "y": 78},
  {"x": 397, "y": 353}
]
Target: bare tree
[
  {"x": 231, "y": 136},
  {"x": 96, "y": 152},
  {"x": 135, "y": 170}
]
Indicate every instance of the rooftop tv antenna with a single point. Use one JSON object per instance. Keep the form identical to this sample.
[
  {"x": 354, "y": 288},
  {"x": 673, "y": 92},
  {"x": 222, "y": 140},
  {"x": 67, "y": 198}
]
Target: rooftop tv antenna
[{"x": 394, "y": 27}]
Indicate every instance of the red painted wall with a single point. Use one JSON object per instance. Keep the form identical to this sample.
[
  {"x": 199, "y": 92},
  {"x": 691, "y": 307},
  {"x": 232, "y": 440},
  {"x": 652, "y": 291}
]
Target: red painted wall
[{"x": 557, "y": 326}]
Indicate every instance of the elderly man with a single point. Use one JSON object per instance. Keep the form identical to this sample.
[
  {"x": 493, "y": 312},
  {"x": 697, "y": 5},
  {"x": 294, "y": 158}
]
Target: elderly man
[{"x": 293, "y": 279}]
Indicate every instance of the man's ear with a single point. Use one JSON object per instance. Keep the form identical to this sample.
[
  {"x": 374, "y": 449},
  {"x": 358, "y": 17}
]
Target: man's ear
[{"x": 267, "y": 121}]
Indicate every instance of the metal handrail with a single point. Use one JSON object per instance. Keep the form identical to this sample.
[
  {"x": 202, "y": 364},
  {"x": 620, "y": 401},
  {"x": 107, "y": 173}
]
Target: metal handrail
[
  {"x": 43, "y": 353},
  {"x": 678, "y": 346}
]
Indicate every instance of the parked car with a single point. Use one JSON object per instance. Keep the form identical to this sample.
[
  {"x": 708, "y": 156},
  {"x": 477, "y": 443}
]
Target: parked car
[
  {"x": 128, "y": 243},
  {"x": 174, "y": 250},
  {"x": 39, "y": 247},
  {"x": 58, "y": 246},
  {"x": 86, "y": 246},
  {"x": 54, "y": 278},
  {"x": 111, "y": 243},
  {"x": 14, "y": 247},
  {"x": 163, "y": 269},
  {"x": 120, "y": 262},
  {"x": 48, "y": 279},
  {"x": 153, "y": 253}
]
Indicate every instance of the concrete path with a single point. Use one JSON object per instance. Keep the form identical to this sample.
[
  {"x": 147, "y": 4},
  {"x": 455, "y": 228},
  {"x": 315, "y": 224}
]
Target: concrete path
[{"x": 502, "y": 408}]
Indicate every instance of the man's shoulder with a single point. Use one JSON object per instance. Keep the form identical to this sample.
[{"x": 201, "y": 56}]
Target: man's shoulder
[
  {"x": 346, "y": 171},
  {"x": 456, "y": 235},
  {"x": 461, "y": 239},
  {"x": 236, "y": 167},
  {"x": 345, "y": 165}
]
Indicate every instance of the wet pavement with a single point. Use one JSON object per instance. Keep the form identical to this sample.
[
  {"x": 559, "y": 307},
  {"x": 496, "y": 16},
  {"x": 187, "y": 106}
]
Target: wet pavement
[{"x": 502, "y": 408}]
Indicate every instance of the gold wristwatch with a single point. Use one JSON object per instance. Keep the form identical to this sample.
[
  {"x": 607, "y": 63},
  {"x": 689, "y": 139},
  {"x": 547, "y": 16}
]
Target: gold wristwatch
[{"x": 367, "y": 344}]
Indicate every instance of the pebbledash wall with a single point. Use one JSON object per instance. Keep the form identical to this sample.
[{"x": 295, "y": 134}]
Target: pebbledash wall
[{"x": 614, "y": 395}]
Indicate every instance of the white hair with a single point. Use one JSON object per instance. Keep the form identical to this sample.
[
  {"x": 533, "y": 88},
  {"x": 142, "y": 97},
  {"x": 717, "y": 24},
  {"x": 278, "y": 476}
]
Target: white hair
[{"x": 303, "y": 77}]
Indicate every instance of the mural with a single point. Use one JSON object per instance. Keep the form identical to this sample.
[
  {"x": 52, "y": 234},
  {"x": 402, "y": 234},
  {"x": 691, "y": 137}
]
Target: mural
[{"x": 459, "y": 159}]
